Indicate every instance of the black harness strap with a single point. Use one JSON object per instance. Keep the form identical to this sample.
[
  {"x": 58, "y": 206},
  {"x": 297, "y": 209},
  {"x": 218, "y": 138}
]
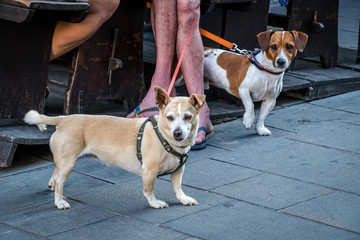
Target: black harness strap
[{"x": 183, "y": 157}]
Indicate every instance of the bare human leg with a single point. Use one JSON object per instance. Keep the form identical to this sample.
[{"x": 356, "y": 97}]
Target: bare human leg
[
  {"x": 67, "y": 36},
  {"x": 163, "y": 18},
  {"x": 194, "y": 57}
]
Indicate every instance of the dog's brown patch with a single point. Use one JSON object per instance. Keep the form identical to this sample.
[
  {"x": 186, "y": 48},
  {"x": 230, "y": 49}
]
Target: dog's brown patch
[{"x": 236, "y": 67}]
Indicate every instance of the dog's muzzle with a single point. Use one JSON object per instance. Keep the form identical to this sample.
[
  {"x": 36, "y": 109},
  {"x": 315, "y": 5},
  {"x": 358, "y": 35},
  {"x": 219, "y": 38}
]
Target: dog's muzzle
[{"x": 178, "y": 135}]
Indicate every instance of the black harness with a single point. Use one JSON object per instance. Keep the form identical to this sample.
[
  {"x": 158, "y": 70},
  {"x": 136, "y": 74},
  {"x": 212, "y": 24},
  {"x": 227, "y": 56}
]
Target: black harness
[{"x": 183, "y": 157}]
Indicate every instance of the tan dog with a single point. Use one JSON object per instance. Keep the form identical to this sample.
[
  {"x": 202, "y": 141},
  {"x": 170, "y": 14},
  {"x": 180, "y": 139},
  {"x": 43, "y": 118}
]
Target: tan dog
[
  {"x": 255, "y": 77},
  {"x": 117, "y": 142}
]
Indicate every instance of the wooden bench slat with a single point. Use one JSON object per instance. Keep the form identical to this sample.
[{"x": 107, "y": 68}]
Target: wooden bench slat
[{"x": 70, "y": 5}]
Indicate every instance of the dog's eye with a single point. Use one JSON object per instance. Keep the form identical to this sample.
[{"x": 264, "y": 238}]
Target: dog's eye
[
  {"x": 273, "y": 47},
  {"x": 289, "y": 47},
  {"x": 187, "y": 117},
  {"x": 170, "y": 118}
]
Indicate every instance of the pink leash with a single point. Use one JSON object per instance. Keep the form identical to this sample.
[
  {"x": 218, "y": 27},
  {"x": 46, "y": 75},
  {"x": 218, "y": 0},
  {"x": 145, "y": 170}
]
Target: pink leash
[{"x": 180, "y": 60}]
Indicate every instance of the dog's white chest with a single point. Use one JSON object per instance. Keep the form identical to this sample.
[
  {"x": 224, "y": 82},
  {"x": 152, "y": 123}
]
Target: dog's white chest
[{"x": 262, "y": 85}]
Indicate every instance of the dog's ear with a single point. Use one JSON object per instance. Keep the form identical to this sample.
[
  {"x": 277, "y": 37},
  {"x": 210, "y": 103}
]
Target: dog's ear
[
  {"x": 197, "y": 100},
  {"x": 264, "y": 39},
  {"x": 300, "y": 40},
  {"x": 161, "y": 97}
]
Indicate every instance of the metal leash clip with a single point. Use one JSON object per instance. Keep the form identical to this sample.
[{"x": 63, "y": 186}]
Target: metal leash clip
[{"x": 240, "y": 51}]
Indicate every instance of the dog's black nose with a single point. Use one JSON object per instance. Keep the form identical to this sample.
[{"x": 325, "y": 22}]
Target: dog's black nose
[
  {"x": 281, "y": 62},
  {"x": 177, "y": 133}
]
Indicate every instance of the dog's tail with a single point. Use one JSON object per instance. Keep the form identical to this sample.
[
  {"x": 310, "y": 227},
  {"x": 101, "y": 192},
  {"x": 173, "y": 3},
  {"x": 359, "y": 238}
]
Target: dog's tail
[{"x": 34, "y": 118}]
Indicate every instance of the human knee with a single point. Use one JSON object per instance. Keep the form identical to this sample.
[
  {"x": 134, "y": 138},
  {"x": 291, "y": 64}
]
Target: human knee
[{"x": 188, "y": 10}]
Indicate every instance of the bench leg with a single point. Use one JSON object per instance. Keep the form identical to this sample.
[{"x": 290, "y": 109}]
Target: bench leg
[{"x": 7, "y": 152}]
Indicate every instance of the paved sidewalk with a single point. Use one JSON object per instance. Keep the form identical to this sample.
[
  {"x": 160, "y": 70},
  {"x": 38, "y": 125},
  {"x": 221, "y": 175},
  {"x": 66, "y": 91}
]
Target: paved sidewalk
[{"x": 300, "y": 183}]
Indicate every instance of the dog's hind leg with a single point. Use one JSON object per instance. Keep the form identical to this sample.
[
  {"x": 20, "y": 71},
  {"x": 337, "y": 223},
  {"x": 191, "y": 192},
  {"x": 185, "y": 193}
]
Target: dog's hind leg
[
  {"x": 61, "y": 173},
  {"x": 149, "y": 177},
  {"x": 51, "y": 184},
  {"x": 176, "y": 179}
]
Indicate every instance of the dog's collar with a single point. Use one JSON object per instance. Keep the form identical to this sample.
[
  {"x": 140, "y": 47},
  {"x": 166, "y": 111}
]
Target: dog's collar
[
  {"x": 183, "y": 157},
  {"x": 258, "y": 65}
]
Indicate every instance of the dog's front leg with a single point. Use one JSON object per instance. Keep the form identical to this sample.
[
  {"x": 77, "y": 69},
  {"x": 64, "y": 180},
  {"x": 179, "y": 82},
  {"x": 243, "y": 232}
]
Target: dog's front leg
[
  {"x": 176, "y": 179},
  {"x": 149, "y": 177},
  {"x": 266, "y": 106},
  {"x": 249, "y": 115}
]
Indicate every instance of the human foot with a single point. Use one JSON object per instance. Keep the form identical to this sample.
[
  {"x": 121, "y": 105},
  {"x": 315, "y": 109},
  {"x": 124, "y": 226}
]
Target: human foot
[{"x": 205, "y": 128}]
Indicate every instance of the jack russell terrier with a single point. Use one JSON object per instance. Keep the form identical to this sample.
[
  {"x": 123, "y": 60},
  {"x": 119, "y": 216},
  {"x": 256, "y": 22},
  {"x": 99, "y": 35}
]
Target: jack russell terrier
[
  {"x": 149, "y": 150},
  {"x": 255, "y": 77}
]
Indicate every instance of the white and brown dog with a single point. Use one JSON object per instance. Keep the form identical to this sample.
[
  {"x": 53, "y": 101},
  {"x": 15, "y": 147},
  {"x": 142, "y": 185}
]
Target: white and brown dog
[
  {"x": 255, "y": 77},
  {"x": 150, "y": 150}
]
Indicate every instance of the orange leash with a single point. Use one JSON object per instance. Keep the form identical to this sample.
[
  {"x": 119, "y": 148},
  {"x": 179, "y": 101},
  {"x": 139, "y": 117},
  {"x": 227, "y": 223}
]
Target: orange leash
[{"x": 216, "y": 38}]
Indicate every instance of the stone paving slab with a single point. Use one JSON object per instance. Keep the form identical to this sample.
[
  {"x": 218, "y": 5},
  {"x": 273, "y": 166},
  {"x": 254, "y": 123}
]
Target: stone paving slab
[
  {"x": 345, "y": 102},
  {"x": 198, "y": 155},
  {"x": 336, "y": 135},
  {"x": 302, "y": 161},
  {"x": 239, "y": 220},
  {"x": 272, "y": 191},
  {"x": 122, "y": 228},
  {"x": 306, "y": 117},
  {"x": 24, "y": 163},
  {"x": 127, "y": 199},
  {"x": 7, "y": 233},
  {"x": 46, "y": 220},
  {"x": 232, "y": 136},
  {"x": 209, "y": 174},
  {"x": 91, "y": 167},
  {"x": 30, "y": 188},
  {"x": 337, "y": 209}
]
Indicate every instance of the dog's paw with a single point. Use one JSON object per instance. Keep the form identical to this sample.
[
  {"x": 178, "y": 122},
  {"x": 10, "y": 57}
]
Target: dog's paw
[
  {"x": 158, "y": 204},
  {"x": 186, "y": 200},
  {"x": 263, "y": 131},
  {"x": 51, "y": 186},
  {"x": 62, "y": 204},
  {"x": 247, "y": 123},
  {"x": 248, "y": 119}
]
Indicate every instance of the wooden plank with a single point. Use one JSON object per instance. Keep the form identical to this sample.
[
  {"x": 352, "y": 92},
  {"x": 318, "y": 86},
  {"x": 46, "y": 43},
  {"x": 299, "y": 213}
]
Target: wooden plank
[
  {"x": 23, "y": 10},
  {"x": 293, "y": 83},
  {"x": 325, "y": 43},
  {"x": 15, "y": 14},
  {"x": 89, "y": 80},
  {"x": 28, "y": 135},
  {"x": 7, "y": 152},
  {"x": 60, "y": 5},
  {"x": 24, "y": 67},
  {"x": 236, "y": 28}
]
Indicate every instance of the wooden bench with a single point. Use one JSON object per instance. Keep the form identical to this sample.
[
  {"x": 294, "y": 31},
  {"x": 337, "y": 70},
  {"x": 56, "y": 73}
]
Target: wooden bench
[
  {"x": 25, "y": 44},
  {"x": 109, "y": 66}
]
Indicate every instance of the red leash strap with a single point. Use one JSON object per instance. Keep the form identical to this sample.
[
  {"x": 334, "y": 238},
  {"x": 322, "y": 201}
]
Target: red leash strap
[{"x": 180, "y": 60}]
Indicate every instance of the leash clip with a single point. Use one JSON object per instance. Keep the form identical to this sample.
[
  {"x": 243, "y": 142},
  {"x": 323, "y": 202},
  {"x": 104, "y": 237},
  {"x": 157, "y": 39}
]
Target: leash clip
[{"x": 240, "y": 51}]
